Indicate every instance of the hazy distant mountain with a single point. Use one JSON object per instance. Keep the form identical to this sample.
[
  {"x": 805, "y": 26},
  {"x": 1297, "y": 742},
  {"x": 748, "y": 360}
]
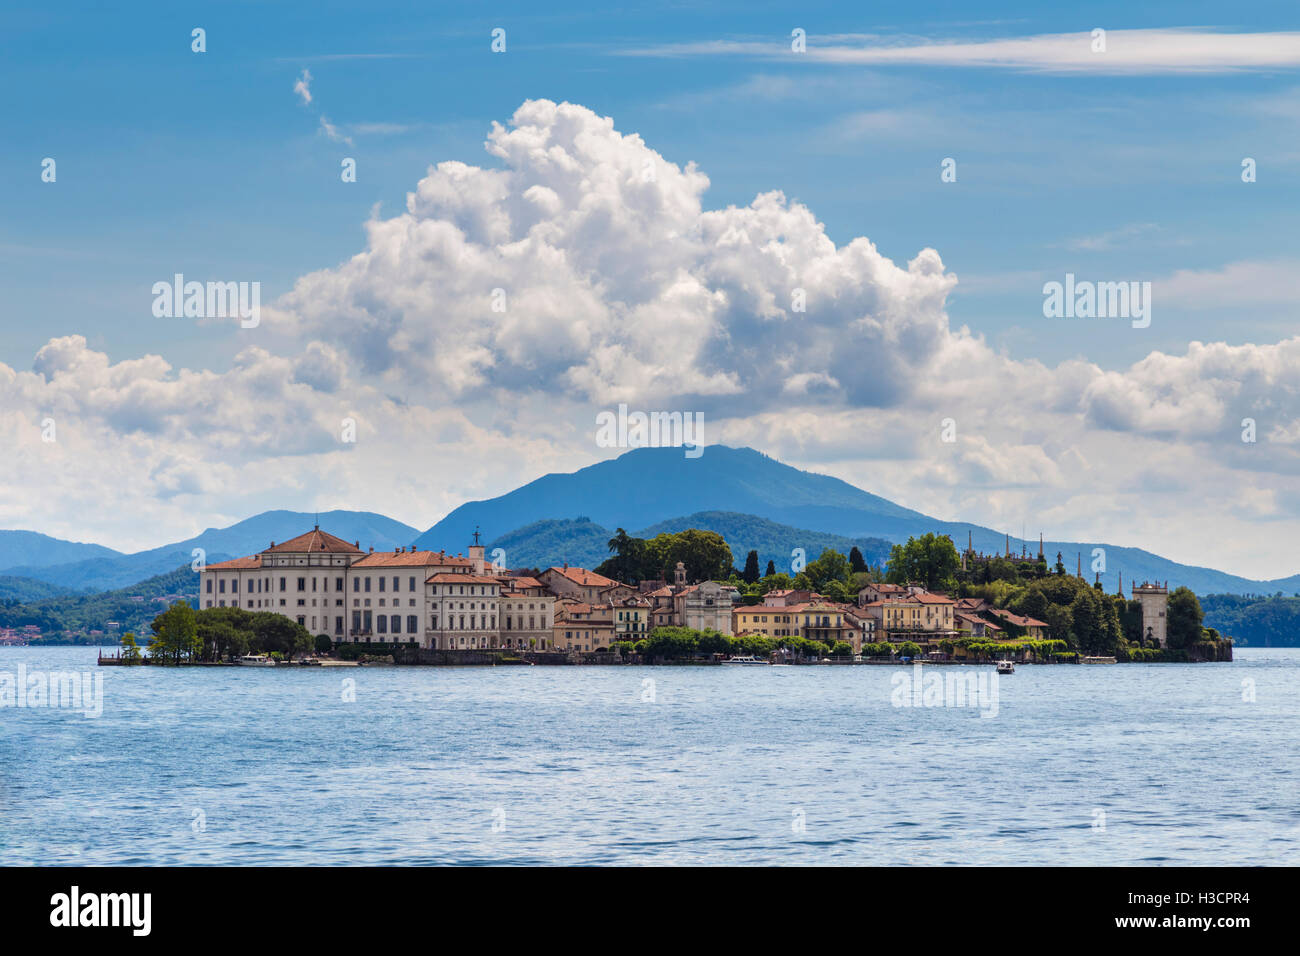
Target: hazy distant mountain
[
  {"x": 34, "y": 550},
  {"x": 774, "y": 542},
  {"x": 553, "y": 542},
  {"x": 246, "y": 537},
  {"x": 646, "y": 486},
  {"x": 29, "y": 589},
  {"x": 582, "y": 542},
  {"x": 752, "y": 500}
]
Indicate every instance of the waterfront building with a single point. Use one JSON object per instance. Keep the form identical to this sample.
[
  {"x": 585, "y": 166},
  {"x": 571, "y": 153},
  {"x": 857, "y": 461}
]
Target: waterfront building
[
  {"x": 913, "y": 615},
  {"x": 787, "y": 597},
  {"x": 1154, "y": 598},
  {"x": 631, "y": 618},
  {"x": 1031, "y": 628},
  {"x": 581, "y": 627},
  {"x": 406, "y": 596},
  {"x": 873, "y": 592},
  {"x": 707, "y": 606},
  {"x": 577, "y": 583},
  {"x": 972, "y": 625},
  {"x": 774, "y": 621}
]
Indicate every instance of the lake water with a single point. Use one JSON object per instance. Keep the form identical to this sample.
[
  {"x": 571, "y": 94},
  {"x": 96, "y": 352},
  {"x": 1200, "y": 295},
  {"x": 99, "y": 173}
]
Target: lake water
[{"x": 1124, "y": 764}]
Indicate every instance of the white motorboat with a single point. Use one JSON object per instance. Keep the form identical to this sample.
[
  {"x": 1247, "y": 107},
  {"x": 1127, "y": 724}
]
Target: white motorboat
[
  {"x": 1006, "y": 667},
  {"x": 745, "y": 659},
  {"x": 255, "y": 660}
]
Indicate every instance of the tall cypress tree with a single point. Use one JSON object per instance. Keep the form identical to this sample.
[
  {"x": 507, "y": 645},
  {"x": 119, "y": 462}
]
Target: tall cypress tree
[
  {"x": 751, "y": 568},
  {"x": 856, "y": 564}
]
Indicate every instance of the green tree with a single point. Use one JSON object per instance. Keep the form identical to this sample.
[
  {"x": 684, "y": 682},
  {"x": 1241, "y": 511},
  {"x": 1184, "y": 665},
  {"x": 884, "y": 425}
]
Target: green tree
[
  {"x": 930, "y": 560},
  {"x": 628, "y": 561},
  {"x": 750, "y": 574},
  {"x": 176, "y": 634},
  {"x": 836, "y": 591},
  {"x": 323, "y": 644},
  {"x": 856, "y": 561},
  {"x": 1184, "y": 620},
  {"x": 771, "y": 569},
  {"x": 829, "y": 566},
  {"x": 130, "y": 650},
  {"x": 909, "y": 649},
  {"x": 705, "y": 553},
  {"x": 276, "y": 634}
]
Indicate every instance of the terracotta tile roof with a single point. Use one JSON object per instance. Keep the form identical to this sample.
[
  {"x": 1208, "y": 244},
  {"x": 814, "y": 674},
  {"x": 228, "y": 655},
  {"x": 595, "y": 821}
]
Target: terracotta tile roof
[
  {"x": 449, "y": 577},
  {"x": 314, "y": 542},
  {"x": 520, "y": 583},
  {"x": 1016, "y": 618},
  {"x": 411, "y": 559},
  {"x": 582, "y": 577},
  {"x": 927, "y": 597},
  {"x": 974, "y": 619},
  {"x": 236, "y": 564}
]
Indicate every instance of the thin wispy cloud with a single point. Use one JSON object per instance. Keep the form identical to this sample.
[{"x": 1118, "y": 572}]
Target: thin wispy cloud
[
  {"x": 303, "y": 87},
  {"x": 1169, "y": 50},
  {"x": 1114, "y": 237},
  {"x": 333, "y": 132},
  {"x": 328, "y": 57}
]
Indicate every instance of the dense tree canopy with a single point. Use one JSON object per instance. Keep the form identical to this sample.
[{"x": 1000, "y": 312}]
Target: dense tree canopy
[{"x": 931, "y": 560}]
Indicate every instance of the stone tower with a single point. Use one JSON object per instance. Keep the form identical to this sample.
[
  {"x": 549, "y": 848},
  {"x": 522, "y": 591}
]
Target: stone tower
[
  {"x": 1154, "y": 599},
  {"x": 679, "y": 575}
]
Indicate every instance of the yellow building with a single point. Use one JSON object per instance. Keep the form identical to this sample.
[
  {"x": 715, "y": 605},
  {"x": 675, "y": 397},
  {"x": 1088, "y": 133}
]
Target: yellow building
[
  {"x": 774, "y": 622},
  {"x": 632, "y": 620}
]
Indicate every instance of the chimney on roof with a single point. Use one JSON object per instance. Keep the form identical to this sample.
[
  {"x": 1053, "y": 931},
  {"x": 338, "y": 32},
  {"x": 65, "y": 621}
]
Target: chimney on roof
[
  {"x": 357, "y": 545},
  {"x": 273, "y": 544},
  {"x": 372, "y": 549}
]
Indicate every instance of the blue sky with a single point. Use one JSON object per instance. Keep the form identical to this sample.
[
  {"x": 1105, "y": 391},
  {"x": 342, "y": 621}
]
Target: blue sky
[
  {"x": 209, "y": 161},
  {"x": 211, "y": 165}
]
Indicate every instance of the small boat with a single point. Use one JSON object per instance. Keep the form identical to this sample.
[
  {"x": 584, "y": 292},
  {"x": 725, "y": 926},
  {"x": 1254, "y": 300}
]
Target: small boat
[
  {"x": 1006, "y": 667},
  {"x": 745, "y": 659},
  {"x": 1097, "y": 660},
  {"x": 255, "y": 660}
]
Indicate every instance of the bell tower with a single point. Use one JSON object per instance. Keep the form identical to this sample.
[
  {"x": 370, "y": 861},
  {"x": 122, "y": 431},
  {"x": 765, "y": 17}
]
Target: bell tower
[{"x": 1154, "y": 599}]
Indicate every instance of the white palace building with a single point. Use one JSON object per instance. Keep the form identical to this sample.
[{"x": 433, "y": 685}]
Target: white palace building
[{"x": 440, "y": 601}]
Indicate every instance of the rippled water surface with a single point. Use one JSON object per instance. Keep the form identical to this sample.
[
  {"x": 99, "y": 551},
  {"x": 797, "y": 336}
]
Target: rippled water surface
[{"x": 1125, "y": 764}]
